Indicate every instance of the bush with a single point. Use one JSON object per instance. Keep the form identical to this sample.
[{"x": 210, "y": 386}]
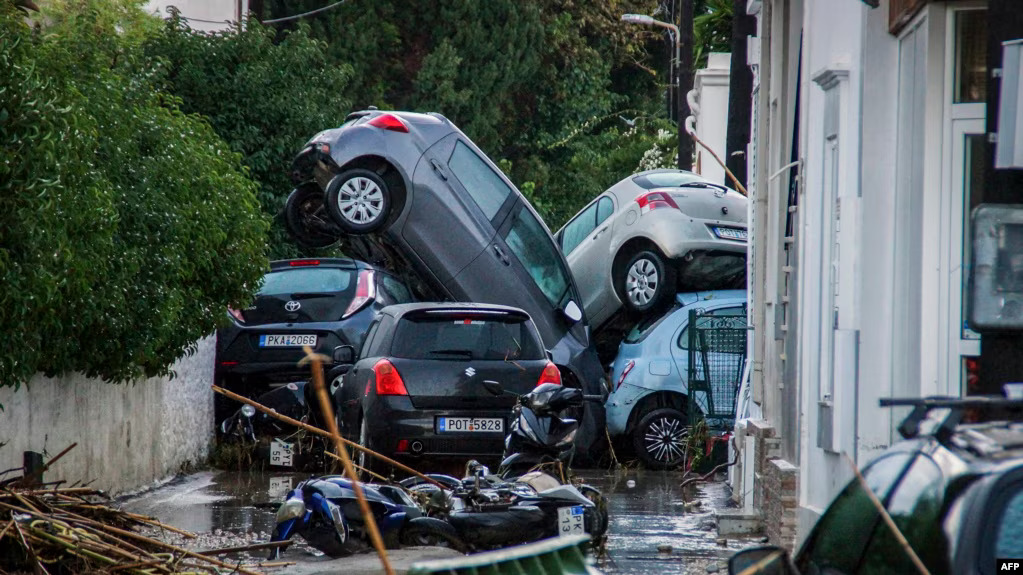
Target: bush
[
  {"x": 126, "y": 225},
  {"x": 265, "y": 98}
]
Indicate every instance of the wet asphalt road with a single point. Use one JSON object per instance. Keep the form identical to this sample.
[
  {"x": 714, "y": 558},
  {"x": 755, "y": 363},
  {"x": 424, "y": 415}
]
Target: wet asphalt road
[{"x": 234, "y": 508}]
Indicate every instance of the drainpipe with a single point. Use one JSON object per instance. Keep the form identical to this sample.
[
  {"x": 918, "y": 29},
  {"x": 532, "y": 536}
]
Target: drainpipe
[{"x": 760, "y": 207}]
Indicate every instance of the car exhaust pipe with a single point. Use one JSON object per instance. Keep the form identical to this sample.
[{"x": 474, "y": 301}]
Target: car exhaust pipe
[{"x": 417, "y": 447}]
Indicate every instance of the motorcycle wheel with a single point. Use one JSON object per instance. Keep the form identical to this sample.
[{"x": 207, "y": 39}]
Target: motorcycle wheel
[
  {"x": 306, "y": 218},
  {"x": 429, "y": 534},
  {"x": 600, "y": 502}
]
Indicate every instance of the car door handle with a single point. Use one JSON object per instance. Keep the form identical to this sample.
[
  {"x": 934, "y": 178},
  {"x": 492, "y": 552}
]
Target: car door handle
[
  {"x": 439, "y": 169},
  {"x": 500, "y": 255},
  {"x": 597, "y": 235}
]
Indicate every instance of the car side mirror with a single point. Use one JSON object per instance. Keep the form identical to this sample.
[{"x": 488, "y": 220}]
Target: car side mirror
[
  {"x": 493, "y": 387},
  {"x": 767, "y": 560},
  {"x": 572, "y": 311},
  {"x": 344, "y": 354}
]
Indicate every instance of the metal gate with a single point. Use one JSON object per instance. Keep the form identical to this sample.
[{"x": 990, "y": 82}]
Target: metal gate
[{"x": 717, "y": 355}]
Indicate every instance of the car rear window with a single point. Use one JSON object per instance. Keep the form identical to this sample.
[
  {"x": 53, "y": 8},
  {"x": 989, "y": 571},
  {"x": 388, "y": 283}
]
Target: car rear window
[
  {"x": 458, "y": 338},
  {"x": 646, "y": 327},
  {"x": 306, "y": 280},
  {"x": 666, "y": 180}
]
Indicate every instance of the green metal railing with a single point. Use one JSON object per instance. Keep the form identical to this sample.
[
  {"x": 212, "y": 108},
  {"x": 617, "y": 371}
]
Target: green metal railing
[
  {"x": 556, "y": 556},
  {"x": 717, "y": 354}
]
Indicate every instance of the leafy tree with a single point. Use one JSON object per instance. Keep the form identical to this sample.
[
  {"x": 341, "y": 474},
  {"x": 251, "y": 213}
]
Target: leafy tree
[
  {"x": 126, "y": 225},
  {"x": 265, "y": 96}
]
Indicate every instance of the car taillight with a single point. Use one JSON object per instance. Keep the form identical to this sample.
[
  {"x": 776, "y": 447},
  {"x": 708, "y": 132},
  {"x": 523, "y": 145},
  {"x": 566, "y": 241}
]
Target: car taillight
[
  {"x": 550, "y": 374},
  {"x": 299, "y": 263},
  {"x": 389, "y": 122},
  {"x": 388, "y": 379},
  {"x": 625, "y": 372},
  {"x": 365, "y": 292},
  {"x": 655, "y": 199},
  {"x": 236, "y": 314}
]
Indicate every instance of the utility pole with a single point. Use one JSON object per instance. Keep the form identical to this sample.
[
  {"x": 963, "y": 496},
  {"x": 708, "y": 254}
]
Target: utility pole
[
  {"x": 685, "y": 84},
  {"x": 1001, "y": 354},
  {"x": 740, "y": 93}
]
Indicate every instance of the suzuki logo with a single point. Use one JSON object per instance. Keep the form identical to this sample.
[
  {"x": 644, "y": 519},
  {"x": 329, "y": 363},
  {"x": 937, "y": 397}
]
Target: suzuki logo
[
  {"x": 292, "y": 306},
  {"x": 470, "y": 371}
]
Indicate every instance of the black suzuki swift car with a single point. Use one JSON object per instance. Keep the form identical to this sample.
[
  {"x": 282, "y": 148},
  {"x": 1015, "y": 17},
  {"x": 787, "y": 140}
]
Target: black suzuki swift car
[
  {"x": 327, "y": 304},
  {"x": 418, "y": 391}
]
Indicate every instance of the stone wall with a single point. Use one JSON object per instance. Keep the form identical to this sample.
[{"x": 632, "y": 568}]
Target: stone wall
[
  {"x": 129, "y": 436},
  {"x": 776, "y": 488}
]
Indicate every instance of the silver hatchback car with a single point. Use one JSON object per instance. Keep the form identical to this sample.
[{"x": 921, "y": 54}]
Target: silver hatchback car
[{"x": 652, "y": 235}]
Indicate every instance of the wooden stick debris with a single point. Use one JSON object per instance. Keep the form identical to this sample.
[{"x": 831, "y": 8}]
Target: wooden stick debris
[
  {"x": 322, "y": 433},
  {"x": 31, "y": 477},
  {"x": 328, "y": 416}
]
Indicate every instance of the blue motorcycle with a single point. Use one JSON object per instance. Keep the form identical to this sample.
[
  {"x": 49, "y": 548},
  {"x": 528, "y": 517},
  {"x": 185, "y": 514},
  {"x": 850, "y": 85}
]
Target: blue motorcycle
[{"x": 325, "y": 512}]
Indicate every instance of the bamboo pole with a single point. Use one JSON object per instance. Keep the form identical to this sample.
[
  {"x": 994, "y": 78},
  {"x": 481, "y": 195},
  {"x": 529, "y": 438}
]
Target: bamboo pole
[
  {"x": 360, "y": 468},
  {"x": 888, "y": 519},
  {"x": 320, "y": 432},
  {"x": 738, "y": 185},
  {"x": 759, "y": 565},
  {"x": 28, "y": 479},
  {"x": 328, "y": 417}
]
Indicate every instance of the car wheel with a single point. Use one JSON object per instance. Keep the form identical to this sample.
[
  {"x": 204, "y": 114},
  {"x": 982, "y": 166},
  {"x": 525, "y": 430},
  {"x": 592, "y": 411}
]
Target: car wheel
[
  {"x": 647, "y": 282},
  {"x": 660, "y": 437},
  {"x": 367, "y": 462},
  {"x": 359, "y": 201},
  {"x": 306, "y": 218}
]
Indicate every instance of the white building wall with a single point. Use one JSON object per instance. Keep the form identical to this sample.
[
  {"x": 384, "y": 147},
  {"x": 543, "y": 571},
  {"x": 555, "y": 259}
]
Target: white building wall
[
  {"x": 206, "y": 15},
  {"x": 711, "y": 87},
  {"x": 129, "y": 435}
]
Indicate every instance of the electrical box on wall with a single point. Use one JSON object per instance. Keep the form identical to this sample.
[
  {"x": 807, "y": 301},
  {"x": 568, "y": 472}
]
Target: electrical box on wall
[{"x": 996, "y": 277}]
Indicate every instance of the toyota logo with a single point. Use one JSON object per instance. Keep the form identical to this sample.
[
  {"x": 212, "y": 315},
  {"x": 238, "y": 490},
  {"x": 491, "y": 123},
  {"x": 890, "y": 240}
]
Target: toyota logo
[{"x": 292, "y": 306}]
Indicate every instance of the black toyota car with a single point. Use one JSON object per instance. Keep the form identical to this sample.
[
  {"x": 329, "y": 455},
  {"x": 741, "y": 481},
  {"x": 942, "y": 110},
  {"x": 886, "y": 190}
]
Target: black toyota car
[
  {"x": 417, "y": 389},
  {"x": 327, "y": 304}
]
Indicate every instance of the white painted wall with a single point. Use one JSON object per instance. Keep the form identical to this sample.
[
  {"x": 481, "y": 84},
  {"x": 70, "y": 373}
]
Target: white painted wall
[
  {"x": 129, "y": 436},
  {"x": 711, "y": 86},
  {"x": 207, "y": 15}
]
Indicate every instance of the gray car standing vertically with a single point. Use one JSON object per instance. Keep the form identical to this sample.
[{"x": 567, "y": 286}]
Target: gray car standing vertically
[{"x": 412, "y": 193}]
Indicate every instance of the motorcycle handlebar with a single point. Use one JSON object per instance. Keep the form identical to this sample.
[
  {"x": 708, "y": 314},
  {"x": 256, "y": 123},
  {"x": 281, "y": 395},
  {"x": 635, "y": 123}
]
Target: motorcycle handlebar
[{"x": 593, "y": 397}]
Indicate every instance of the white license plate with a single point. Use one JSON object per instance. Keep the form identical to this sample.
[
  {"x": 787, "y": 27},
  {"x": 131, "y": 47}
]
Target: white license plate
[
  {"x": 291, "y": 340},
  {"x": 470, "y": 425},
  {"x": 570, "y": 520},
  {"x": 281, "y": 453},
  {"x": 731, "y": 234},
  {"x": 279, "y": 487}
]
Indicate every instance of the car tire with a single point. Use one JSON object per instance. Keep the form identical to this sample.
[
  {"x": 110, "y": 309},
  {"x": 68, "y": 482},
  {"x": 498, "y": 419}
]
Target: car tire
[
  {"x": 359, "y": 201},
  {"x": 646, "y": 283},
  {"x": 367, "y": 462},
  {"x": 307, "y": 220},
  {"x": 659, "y": 438}
]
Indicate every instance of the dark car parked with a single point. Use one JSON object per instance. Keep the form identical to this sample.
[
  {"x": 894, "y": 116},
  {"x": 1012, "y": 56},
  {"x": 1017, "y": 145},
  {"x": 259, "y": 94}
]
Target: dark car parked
[
  {"x": 413, "y": 193},
  {"x": 955, "y": 493},
  {"x": 327, "y": 304},
  {"x": 417, "y": 389}
]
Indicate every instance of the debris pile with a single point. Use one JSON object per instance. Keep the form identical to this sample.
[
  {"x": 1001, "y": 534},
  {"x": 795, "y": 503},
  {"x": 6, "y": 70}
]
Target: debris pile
[{"x": 45, "y": 528}]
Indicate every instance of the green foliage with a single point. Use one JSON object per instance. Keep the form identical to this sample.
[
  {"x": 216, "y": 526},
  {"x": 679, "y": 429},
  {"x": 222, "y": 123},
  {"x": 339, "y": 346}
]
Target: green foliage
[
  {"x": 125, "y": 224},
  {"x": 712, "y": 29},
  {"x": 265, "y": 97}
]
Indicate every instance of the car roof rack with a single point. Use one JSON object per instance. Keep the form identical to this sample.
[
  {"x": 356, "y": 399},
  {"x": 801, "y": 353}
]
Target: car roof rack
[{"x": 957, "y": 406}]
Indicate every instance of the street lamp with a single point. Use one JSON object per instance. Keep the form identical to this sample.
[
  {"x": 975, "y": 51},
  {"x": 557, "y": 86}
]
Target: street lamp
[{"x": 650, "y": 21}]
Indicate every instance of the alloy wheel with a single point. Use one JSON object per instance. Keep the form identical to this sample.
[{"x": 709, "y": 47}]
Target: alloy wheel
[
  {"x": 641, "y": 282},
  {"x": 664, "y": 439},
  {"x": 360, "y": 200}
]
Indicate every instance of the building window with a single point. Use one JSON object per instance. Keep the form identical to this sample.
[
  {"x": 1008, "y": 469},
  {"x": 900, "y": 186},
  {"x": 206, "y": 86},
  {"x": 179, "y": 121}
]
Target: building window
[{"x": 970, "y": 56}]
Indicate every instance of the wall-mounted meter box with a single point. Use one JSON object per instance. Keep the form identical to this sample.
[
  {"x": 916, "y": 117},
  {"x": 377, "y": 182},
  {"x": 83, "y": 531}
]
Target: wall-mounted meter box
[{"x": 996, "y": 282}]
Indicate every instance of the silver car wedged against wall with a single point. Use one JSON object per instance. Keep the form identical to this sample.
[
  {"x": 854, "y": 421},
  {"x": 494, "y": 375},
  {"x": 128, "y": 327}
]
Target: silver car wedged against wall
[
  {"x": 652, "y": 235},
  {"x": 412, "y": 193}
]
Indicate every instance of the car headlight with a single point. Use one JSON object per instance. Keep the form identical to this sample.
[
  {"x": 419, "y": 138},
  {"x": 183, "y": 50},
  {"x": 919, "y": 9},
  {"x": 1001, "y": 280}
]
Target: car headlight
[{"x": 290, "y": 509}]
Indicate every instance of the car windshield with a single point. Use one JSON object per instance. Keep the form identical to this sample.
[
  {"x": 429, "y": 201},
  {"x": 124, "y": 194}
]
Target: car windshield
[
  {"x": 528, "y": 240},
  {"x": 306, "y": 280},
  {"x": 456, "y": 338},
  {"x": 666, "y": 180},
  {"x": 646, "y": 327}
]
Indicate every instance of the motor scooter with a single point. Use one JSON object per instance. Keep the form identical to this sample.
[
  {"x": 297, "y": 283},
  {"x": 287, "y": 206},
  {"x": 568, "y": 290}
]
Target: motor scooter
[{"x": 324, "y": 511}]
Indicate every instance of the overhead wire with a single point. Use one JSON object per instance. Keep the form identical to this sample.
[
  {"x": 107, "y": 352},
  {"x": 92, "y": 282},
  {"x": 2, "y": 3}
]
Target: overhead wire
[{"x": 271, "y": 21}]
